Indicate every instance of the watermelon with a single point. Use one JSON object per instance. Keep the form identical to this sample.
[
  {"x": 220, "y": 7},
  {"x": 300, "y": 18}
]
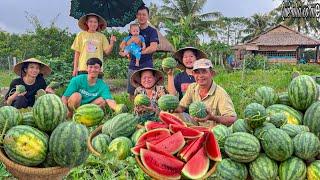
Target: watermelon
[
  {"x": 172, "y": 144},
  {"x": 277, "y": 144},
  {"x": 306, "y": 145},
  {"x": 20, "y": 89},
  {"x": 149, "y": 125},
  {"x": 120, "y": 125},
  {"x": 141, "y": 100},
  {"x": 168, "y": 63},
  {"x": 197, "y": 166},
  {"x": 255, "y": 114},
  {"x": 260, "y": 130},
  {"x": 263, "y": 168},
  {"x": 154, "y": 148},
  {"x": 168, "y": 102},
  {"x": 194, "y": 147},
  {"x": 212, "y": 147},
  {"x": 100, "y": 143},
  {"x": 121, "y": 108},
  {"x": 27, "y": 119},
  {"x": 242, "y": 147},
  {"x": 135, "y": 136},
  {"x": 229, "y": 169},
  {"x": 48, "y": 112},
  {"x": 266, "y": 96},
  {"x": 284, "y": 99},
  {"x": 136, "y": 149},
  {"x": 292, "y": 130},
  {"x": 40, "y": 93},
  {"x": 278, "y": 119},
  {"x": 9, "y": 117},
  {"x": 54, "y": 85},
  {"x": 68, "y": 144},
  {"x": 88, "y": 115},
  {"x": 200, "y": 128},
  {"x": 312, "y": 118},
  {"x": 26, "y": 145},
  {"x": 189, "y": 144},
  {"x": 49, "y": 161},
  {"x": 303, "y": 91},
  {"x": 313, "y": 170},
  {"x": 169, "y": 118},
  {"x": 293, "y": 168},
  {"x": 153, "y": 136},
  {"x": 221, "y": 132},
  {"x": 161, "y": 165},
  {"x": 187, "y": 132},
  {"x": 293, "y": 116},
  {"x": 198, "y": 109},
  {"x": 121, "y": 147},
  {"x": 241, "y": 125}
]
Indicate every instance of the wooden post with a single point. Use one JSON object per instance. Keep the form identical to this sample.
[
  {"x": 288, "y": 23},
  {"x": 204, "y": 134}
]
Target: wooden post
[{"x": 317, "y": 55}]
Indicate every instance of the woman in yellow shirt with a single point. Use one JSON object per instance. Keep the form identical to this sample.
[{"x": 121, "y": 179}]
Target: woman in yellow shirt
[{"x": 90, "y": 43}]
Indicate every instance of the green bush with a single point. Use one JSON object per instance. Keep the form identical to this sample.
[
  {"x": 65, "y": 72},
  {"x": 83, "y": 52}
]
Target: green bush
[{"x": 254, "y": 62}]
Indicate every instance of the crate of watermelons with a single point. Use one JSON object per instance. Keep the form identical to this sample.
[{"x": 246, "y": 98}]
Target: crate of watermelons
[{"x": 170, "y": 149}]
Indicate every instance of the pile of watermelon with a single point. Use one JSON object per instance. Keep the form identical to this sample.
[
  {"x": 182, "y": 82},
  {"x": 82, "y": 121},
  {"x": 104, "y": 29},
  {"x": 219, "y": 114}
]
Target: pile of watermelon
[
  {"x": 278, "y": 137},
  {"x": 42, "y": 137},
  {"x": 171, "y": 150}
]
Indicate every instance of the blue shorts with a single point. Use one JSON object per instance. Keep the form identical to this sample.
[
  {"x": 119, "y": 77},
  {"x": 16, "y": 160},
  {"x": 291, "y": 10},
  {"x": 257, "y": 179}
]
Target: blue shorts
[{"x": 134, "y": 49}]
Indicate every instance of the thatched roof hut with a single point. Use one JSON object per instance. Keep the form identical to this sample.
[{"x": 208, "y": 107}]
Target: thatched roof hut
[{"x": 164, "y": 45}]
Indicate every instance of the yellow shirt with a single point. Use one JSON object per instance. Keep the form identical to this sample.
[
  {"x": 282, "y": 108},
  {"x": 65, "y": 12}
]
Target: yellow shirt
[
  {"x": 217, "y": 101},
  {"x": 90, "y": 45}
]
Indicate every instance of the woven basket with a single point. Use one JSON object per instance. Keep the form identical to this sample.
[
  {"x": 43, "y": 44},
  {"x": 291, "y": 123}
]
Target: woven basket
[
  {"x": 157, "y": 177},
  {"x": 32, "y": 173},
  {"x": 89, "y": 140}
]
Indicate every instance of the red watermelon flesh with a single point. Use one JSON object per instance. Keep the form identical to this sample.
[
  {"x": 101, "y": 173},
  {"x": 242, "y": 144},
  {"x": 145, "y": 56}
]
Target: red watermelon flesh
[
  {"x": 200, "y": 128},
  {"x": 136, "y": 150},
  {"x": 187, "y": 132},
  {"x": 164, "y": 166},
  {"x": 153, "y": 136},
  {"x": 172, "y": 144},
  {"x": 149, "y": 125},
  {"x": 197, "y": 166},
  {"x": 183, "y": 151},
  {"x": 154, "y": 148},
  {"x": 193, "y": 149},
  {"x": 212, "y": 147},
  {"x": 169, "y": 118}
]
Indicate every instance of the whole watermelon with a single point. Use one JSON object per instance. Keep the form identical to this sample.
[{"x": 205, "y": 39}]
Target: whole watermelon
[
  {"x": 88, "y": 115},
  {"x": 266, "y": 96},
  {"x": 277, "y": 144},
  {"x": 255, "y": 114},
  {"x": 121, "y": 125},
  {"x": 49, "y": 161},
  {"x": 241, "y": 125},
  {"x": 20, "y": 88},
  {"x": 121, "y": 108},
  {"x": 28, "y": 119},
  {"x": 48, "y": 112},
  {"x": 9, "y": 117},
  {"x": 198, "y": 109},
  {"x": 168, "y": 102},
  {"x": 313, "y": 170},
  {"x": 293, "y": 116},
  {"x": 229, "y": 169},
  {"x": 121, "y": 147},
  {"x": 68, "y": 144},
  {"x": 278, "y": 119},
  {"x": 260, "y": 130},
  {"x": 26, "y": 145},
  {"x": 141, "y": 100},
  {"x": 302, "y": 91},
  {"x": 263, "y": 168},
  {"x": 292, "y": 130},
  {"x": 284, "y": 99},
  {"x": 168, "y": 63},
  {"x": 312, "y": 118},
  {"x": 242, "y": 147},
  {"x": 293, "y": 168},
  {"x": 101, "y": 142},
  {"x": 135, "y": 136},
  {"x": 306, "y": 145},
  {"x": 221, "y": 132}
]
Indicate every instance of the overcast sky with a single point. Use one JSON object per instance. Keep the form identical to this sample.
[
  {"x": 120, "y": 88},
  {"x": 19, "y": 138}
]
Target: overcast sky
[{"x": 13, "y": 12}]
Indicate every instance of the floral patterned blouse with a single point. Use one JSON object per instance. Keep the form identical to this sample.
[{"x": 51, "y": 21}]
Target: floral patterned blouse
[{"x": 157, "y": 92}]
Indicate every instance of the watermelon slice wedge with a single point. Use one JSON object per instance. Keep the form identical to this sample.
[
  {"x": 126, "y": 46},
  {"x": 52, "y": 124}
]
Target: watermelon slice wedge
[
  {"x": 200, "y": 128},
  {"x": 172, "y": 144},
  {"x": 197, "y": 166},
  {"x": 149, "y": 125},
  {"x": 153, "y": 136},
  {"x": 136, "y": 150},
  {"x": 183, "y": 151},
  {"x": 154, "y": 148},
  {"x": 169, "y": 118},
  {"x": 187, "y": 132},
  {"x": 212, "y": 147},
  {"x": 194, "y": 148}
]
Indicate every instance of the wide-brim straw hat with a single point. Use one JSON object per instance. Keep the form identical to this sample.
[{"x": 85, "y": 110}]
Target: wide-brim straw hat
[
  {"x": 135, "y": 79},
  {"x": 102, "y": 22},
  {"x": 179, "y": 54},
  {"x": 44, "y": 68}
]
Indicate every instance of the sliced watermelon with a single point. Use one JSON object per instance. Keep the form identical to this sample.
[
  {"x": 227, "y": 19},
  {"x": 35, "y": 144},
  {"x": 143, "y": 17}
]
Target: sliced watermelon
[
  {"x": 197, "y": 166},
  {"x": 154, "y": 148},
  {"x": 172, "y": 144},
  {"x": 183, "y": 151},
  {"x": 212, "y": 147},
  {"x": 169, "y": 118},
  {"x": 200, "y": 128},
  {"x": 153, "y": 136},
  {"x": 164, "y": 166},
  {"x": 149, "y": 125},
  {"x": 136, "y": 150},
  {"x": 193, "y": 149},
  {"x": 187, "y": 132}
]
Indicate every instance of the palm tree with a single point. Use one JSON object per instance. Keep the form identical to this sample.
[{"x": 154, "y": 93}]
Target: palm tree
[
  {"x": 175, "y": 10},
  {"x": 256, "y": 24},
  {"x": 155, "y": 15}
]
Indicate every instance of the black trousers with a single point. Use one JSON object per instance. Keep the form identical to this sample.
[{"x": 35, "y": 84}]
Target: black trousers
[{"x": 20, "y": 102}]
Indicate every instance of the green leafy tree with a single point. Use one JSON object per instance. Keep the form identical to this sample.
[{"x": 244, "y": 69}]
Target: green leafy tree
[{"x": 256, "y": 24}]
